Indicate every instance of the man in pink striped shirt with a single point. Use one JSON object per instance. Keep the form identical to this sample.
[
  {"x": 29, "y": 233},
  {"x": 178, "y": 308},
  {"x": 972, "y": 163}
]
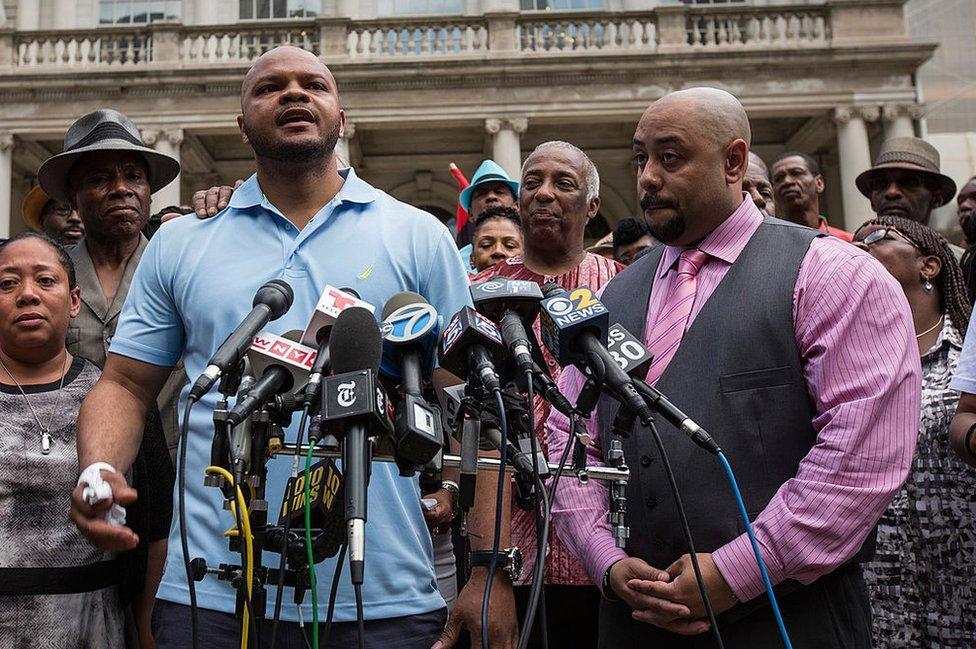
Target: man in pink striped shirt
[{"x": 796, "y": 352}]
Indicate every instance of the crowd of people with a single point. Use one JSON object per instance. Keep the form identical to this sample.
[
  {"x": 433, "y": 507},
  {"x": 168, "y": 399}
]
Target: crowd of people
[{"x": 834, "y": 368}]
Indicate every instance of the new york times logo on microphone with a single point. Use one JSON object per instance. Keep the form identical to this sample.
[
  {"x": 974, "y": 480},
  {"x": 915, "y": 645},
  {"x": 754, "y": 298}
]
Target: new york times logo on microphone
[{"x": 346, "y": 394}]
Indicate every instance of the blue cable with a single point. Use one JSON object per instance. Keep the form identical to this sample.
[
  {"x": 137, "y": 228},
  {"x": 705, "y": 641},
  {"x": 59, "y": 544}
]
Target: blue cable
[{"x": 755, "y": 549}]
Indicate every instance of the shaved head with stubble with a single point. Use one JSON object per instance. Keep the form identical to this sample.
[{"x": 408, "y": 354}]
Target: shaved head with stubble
[
  {"x": 290, "y": 108},
  {"x": 691, "y": 148}
]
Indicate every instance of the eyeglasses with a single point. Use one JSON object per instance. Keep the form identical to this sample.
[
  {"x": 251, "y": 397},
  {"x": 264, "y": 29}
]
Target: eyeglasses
[{"x": 883, "y": 234}]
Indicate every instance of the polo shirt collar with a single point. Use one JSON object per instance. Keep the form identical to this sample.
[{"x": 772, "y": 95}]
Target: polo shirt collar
[
  {"x": 353, "y": 190},
  {"x": 726, "y": 241}
]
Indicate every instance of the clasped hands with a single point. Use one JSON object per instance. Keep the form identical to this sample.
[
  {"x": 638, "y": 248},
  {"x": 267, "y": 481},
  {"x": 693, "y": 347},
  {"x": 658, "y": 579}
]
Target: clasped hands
[{"x": 670, "y": 598}]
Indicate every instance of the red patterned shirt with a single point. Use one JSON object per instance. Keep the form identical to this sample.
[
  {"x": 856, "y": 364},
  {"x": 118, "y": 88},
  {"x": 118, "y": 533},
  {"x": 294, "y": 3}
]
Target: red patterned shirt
[{"x": 561, "y": 566}]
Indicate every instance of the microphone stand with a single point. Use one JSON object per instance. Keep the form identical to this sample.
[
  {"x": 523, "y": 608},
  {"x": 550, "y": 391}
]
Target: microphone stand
[{"x": 267, "y": 440}]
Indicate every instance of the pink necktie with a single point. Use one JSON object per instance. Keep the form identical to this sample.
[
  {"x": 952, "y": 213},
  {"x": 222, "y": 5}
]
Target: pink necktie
[{"x": 672, "y": 321}]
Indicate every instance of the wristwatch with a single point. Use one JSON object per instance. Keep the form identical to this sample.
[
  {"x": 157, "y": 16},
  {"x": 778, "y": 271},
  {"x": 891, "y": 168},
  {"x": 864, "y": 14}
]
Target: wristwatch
[
  {"x": 607, "y": 589},
  {"x": 509, "y": 560}
]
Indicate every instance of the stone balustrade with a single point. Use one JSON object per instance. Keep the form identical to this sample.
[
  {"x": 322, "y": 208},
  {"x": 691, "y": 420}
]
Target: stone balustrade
[
  {"x": 417, "y": 37},
  {"x": 586, "y": 32},
  {"x": 243, "y": 44},
  {"x": 125, "y": 46},
  {"x": 666, "y": 29},
  {"x": 736, "y": 27}
]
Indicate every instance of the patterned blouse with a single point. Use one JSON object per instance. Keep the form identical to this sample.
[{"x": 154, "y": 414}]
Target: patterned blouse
[
  {"x": 561, "y": 567},
  {"x": 35, "y": 531},
  {"x": 922, "y": 581}
]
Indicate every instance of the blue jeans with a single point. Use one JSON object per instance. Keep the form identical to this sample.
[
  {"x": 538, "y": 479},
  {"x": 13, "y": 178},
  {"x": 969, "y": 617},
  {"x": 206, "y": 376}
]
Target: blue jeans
[{"x": 171, "y": 626}]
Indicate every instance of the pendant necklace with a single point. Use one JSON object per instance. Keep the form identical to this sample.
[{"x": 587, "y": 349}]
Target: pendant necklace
[{"x": 45, "y": 432}]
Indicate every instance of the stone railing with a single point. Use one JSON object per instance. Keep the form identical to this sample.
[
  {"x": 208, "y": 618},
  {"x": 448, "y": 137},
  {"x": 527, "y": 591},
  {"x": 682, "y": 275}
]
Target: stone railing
[
  {"x": 586, "y": 32},
  {"x": 757, "y": 27},
  {"x": 666, "y": 29},
  {"x": 417, "y": 37},
  {"x": 243, "y": 43},
  {"x": 126, "y": 46}
]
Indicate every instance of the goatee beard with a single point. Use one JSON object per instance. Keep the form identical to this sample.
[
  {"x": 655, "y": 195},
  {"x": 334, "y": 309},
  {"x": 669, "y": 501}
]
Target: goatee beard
[{"x": 306, "y": 151}]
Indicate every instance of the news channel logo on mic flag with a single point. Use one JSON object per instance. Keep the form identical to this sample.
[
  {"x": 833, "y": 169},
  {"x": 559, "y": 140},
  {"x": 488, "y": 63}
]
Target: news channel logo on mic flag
[{"x": 409, "y": 322}]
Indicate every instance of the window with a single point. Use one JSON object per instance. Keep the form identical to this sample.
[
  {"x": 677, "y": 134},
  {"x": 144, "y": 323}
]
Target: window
[
  {"x": 418, "y": 7},
  {"x": 127, "y": 12},
  {"x": 545, "y": 5},
  {"x": 265, "y": 9}
]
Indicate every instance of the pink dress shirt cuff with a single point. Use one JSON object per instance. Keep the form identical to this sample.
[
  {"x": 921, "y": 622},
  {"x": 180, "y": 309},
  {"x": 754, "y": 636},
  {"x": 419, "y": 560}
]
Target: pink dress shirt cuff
[
  {"x": 602, "y": 554},
  {"x": 737, "y": 563}
]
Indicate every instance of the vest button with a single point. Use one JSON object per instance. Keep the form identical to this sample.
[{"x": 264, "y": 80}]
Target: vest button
[
  {"x": 646, "y": 460},
  {"x": 651, "y": 501},
  {"x": 658, "y": 543}
]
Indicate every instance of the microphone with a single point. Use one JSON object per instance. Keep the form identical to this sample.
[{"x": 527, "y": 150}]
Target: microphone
[
  {"x": 574, "y": 328},
  {"x": 325, "y": 492},
  {"x": 354, "y": 399},
  {"x": 473, "y": 344},
  {"x": 332, "y": 302},
  {"x": 282, "y": 364},
  {"x": 270, "y": 303},
  {"x": 514, "y": 305},
  {"x": 409, "y": 324}
]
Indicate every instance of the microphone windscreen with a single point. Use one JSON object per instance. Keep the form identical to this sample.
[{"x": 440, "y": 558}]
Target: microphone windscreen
[
  {"x": 356, "y": 342},
  {"x": 401, "y": 300},
  {"x": 295, "y": 335}
]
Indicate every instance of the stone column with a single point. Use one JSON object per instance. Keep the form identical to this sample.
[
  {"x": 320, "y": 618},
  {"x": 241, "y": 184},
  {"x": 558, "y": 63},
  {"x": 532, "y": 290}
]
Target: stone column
[
  {"x": 899, "y": 120},
  {"x": 165, "y": 141},
  {"x": 6, "y": 181},
  {"x": 343, "y": 148},
  {"x": 506, "y": 147},
  {"x": 204, "y": 13},
  {"x": 855, "y": 156},
  {"x": 28, "y": 15},
  {"x": 65, "y": 14}
]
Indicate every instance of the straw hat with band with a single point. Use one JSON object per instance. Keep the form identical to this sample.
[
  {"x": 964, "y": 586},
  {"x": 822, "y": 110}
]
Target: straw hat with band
[
  {"x": 605, "y": 244},
  {"x": 32, "y": 208},
  {"x": 103, "y": 130},
  {"x": 911, "y": 154}
]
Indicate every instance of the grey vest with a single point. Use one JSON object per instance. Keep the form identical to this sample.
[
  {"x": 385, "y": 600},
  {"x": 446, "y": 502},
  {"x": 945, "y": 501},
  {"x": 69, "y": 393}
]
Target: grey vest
[{"x": 738, "y": 374}]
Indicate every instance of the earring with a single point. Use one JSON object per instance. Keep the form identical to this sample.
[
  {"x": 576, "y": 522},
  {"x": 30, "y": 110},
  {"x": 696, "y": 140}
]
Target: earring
[{"x": 927, "y": 284}]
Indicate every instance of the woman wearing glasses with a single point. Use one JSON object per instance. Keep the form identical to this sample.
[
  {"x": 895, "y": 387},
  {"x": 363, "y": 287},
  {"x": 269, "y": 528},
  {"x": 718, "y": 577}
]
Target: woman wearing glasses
[
  {"x": 56, "y": 590},
  {"x": 922, "y": 578}
]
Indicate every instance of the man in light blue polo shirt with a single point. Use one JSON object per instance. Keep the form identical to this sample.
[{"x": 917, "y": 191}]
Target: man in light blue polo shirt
[{"x": 305, "y": 221}]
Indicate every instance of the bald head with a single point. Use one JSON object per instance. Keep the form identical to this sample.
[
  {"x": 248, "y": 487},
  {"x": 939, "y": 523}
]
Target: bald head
[
  {"x": 286, "y": 55},
  {"x": 718, "y": 114},
  {"x": 691, "y": 148}
]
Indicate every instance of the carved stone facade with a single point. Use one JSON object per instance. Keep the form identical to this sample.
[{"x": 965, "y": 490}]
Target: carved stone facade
[{"x": 829, "y": 79}]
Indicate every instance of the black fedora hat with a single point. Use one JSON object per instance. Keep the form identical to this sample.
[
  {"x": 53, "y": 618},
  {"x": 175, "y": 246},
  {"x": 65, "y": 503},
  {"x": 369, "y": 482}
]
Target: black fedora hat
[{"x": 103, "y": 130}]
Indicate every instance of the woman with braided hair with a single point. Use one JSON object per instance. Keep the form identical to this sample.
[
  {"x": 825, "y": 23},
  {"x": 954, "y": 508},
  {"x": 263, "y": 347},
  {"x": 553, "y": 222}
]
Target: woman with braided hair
[{"x": 922, "y": 581}]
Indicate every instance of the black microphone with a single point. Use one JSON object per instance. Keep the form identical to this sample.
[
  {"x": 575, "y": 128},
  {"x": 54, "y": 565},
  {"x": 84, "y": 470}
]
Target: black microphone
[
  {"x": 332, "y": 302},
  {"x": 472, "y": 344},
  {"x": 514, "y": 305},
  {"x": 270, "y": 303},
  {"x": 353, "y": 400},
  {"x": 574, "y": 328},
  {"x": 282, "y": 364},
  {"x": 409, "y": 324},
  {"x": 325, "y": 494}
]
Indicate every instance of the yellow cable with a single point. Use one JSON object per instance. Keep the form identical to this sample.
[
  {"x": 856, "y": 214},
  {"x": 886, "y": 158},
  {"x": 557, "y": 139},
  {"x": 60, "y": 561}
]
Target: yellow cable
[{"x": 248, "y": 540}]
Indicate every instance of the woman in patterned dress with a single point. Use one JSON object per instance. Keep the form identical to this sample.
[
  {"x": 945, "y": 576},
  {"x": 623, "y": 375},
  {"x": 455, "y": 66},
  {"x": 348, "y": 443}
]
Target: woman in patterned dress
[
  {"x": 56, "y": 590},
  {"x": 923, "y": 576}
]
